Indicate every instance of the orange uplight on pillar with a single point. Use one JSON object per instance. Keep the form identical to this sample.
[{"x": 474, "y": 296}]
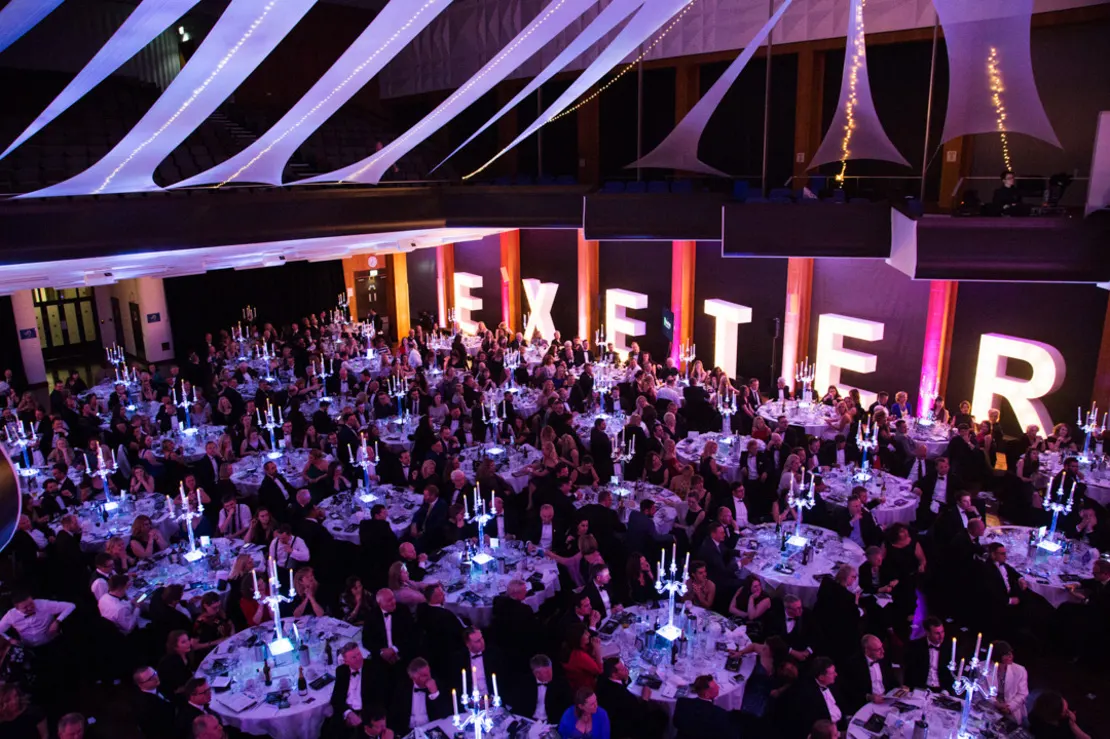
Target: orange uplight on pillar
[
  {"x": 511, "y": 312},
  {"x": 399, "y": 277},
  {"x": 682, "y": 294},
  {"x": 445, "y": 281},
  {"x": 795, "y": 329},
  {"x": 350, "y": 266},
  {"x": 588, "y": 288},
  {"x": 938, "y": 341}
]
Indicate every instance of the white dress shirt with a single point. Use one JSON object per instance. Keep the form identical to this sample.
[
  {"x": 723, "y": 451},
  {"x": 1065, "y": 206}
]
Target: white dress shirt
[
  {"x": 840, "y": 458},
  {"x": 120, "y": 611},
  {"x": 478, "y": 672},
  {"x": 876, "y": 670},
  {"x": 99, "y": 585},
  {"x": 830, "y": 703},
  {"x": 419, "y": 715},
  {"x": 500, "y": 526},
  {"x": 298, "y": 551},
  {"x": 669, "y": 393},
  {"x": 39, "y": 537},
  {"x": 753, "y": 467},
  {"x": 540, "y": 714},
  {"x": 282, "y": 487},
  {"x": 605, "y": 599},
  {"x": 932, "y": 680},
  {"x": 546, "y": 535},
  {"x": 940, "y": 494},
  {"x": 34, "y": 629},
  {"x": 917, "y": 472},
  {"x": 741, "y": 514},
  {"x": 240, "y": 518},
  {"x": 354, "y": 694},
  {"x": 388, "y": 619}
]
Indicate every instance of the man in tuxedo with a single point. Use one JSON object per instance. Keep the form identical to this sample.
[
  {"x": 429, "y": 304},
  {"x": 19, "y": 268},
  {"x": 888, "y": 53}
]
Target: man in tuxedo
[
  {"x": 719, "y": 560},
  {"x": 735, "y": 503},
  {"x": 442, "y": 630},
  {"x": 275, "y": 493},
  {"x": 379, "y": 546},
  {"x": 153, "y": 711},
  {"x": 398, "y": 469},
  {"x": 580, "y": 612},
  {"x": 354, "y": 690},
  {"x": 837, "y": 453},
  {"x": 417, "y": 699},
  {"x": 207, "y": 468},
  {"x": 857, "y": 523},
  {"x": 1004, "y": 592},
  {"x": 601, "y": 449},
  {"x": 347, "y": 440},
  {"x": 781, "y": 391},
  {"x": 389, "y": 634},
  {"x": 198, "y": 696},
  {"x": 790, "y": 620},
  {"x": 927, "y": 661},
  {"x": 581, "y": 395},
  {"x": 605, "y": 522},
  {"x": 321, "y": 419},
  {"x": 643, "y": 536},
  {"x": 515, "y": 626},
  {"x": 933, "y": 492},
  {"x": 966, "y": 461},
  {"x": 68, "y": 562},
  {"x": 597, "y": 590},
  {"x": 544, "y": 696},
  {"x": 429, "y": 518},
  {"x": 699, "y": 717},
  {"x": 817, "y": 698},
  {"x": 868, "y": 675},
  {"x": 481, "y": 662},
  {"x": 954, "y": 519},
  {"x": 66, "y": 487},
  {"x": 918, "y": 468},
  {"x": 630, "y": 717},
  {"x": 544, "y": 532}
]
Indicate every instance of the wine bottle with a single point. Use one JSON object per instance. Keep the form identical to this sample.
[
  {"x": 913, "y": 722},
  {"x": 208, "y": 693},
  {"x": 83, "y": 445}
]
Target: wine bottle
[
  {"x": 329, "y": 656},
  {"x": 266, "y": 678},
  {"x": 302, "y": 684}
]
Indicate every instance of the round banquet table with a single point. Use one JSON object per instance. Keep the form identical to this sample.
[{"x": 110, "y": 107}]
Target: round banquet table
[
  {"x": 832, "y": 550},
  {"x": 1046, "y": 574},
  {"x": 812, "y": 419},
  {"x": 344, "y": 511},
  {"x": 471, "y": 594},
  {"x": 507, "y": 460},
  {"x": 243, "y": 703},
  {"x": 95, "y": 533},
  {"x": 627, "y": 497},
  {"x": 168, "y": 568},
  {"x": 934, "y": 438},
  {"x": 191, "y": 446},
  {"x": 396, "y": 435},
  {"x": 248, "y": 472},
  {"x": 1096, "y": 480},
  {"x": 728, "y": 451},
  {"x": 502, "y": 720},
  {"x": 584, "y": 424},
  {"x": 704, "y": 657},
  {"x": 900, "y": 505},
  {"x": 940, "y": 712},
  {"x": 526, "y": 401}
]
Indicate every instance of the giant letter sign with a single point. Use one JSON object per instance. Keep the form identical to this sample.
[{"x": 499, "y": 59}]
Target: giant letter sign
[
  {"x": 729, "y": 316},
  {"x": 541, "y": 297},
  {"x": 617, "y": 323},
  {"x": 465, "y": 303},
  {"x": 1023, "y": 395},
  {"x": 832, "y": 357}
]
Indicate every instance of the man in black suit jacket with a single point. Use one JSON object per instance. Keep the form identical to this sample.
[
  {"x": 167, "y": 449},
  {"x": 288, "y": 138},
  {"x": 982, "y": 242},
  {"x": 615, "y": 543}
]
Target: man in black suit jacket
[
  {"x": 857, "y": 523},
  {"x": 276, "y": 493},
  {"x": 441, "y": 629},
  {"x": 389, "y": 632},
  {"x": 481, "y": 661},
  {"x": 699, "y": 717},
  {"x": 790, "y": 620},
  {"x": 643, "y": 536},
  {"x": 379, "y": 547},
  {"x": 524, "y": 694},
  {"x": 630, "y": 717},
  {"x": 207, "y": 468},
  {"x": 816, "y": 698},
  {"x": 347, "y": 702},
  {"x": 605, "y": 523},
  {"x": 935, "y": 491},
  {"x": 719, "y": 560},
  {"x": 1004, "y": 590},
  {"x": 417, "y": 686},
  {"x": 601, "y": 449},
  {"x": 837, "y": 453},
  {"x": 197, "y": 694},
  {"x": 68, "y": 562},
  {"x": 927, "y": 654},
  {"x": 867, "y": 675},
  {"x": 597, "y": 590},
  {"x": 515, "y": 626},
  {"x": 429, "y": 519},
  {"x": 397, "y": 469},
  {"x": 154, "y": 713}
]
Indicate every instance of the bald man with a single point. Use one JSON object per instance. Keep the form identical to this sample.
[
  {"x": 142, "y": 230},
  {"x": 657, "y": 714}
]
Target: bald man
[{"x": 867, "y": 675}]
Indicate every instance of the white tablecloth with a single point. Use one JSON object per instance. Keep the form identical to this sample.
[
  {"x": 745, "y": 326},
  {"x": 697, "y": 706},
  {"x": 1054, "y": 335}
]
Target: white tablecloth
[
  {"x": 900, "y": 505},
  {"x": 832, "y": 551},
  {"x": 508, "y": 461},
  {"x": 729, "y": 449},
  {"x": 471, "y": 595},
  {"x": 95, "y": 532},
  {"x": 1097, "y": 481},
  {"x": 942, "y": 722},
  {"x": 627, "y": 497},
  {"x": 248, "y": 472},
  {"x": 935, "y": 438},
  {"x": 502, "y": 721},
  {"x": 344, "y": 511},
  {"x": 1045, "y": 574},
  {"x": 704, "y": 657},
  {"x": 812, "y": 419},
  {"x": 191, "y": 446},
  {"x": 197, "y": 577},
  {"x": 305, "y": 716}
]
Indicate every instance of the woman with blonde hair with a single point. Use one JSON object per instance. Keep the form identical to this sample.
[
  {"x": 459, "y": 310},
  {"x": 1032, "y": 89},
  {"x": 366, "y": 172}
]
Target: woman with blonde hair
[
  {"x": 225, "y": 449},
  {"x": 579, "y": 563},
  {"x": 901, "y": 407},
  {"x": 404, "y": 589},
  {"x": 61, "y": 453},
  {"x": 145, "y": 539}
]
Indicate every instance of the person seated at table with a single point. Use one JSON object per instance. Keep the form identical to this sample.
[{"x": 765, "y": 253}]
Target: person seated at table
[
  {"x": 212, "y": 626},
  {"x": 404, "y": 588},
  {"x": 1061, "y": 439},
  {"x": 580, "y": 656},
  {"x": 760, "y": 430},
  {"x": 145, "y": 539},
  {"x": 417, "y": 699},
  {"x": 306, "y": 598},
  {"x": 235, "y": 518},
  {"x": 389, "y": 633},
  {"x": 1052, "y": 718},
  {"x": 698, "y": 716},
  {"x": 638, "y": 585},
  {"x": 868, "y": 675},
  {"x": 1012, "y": 681},
  {"x": 720, "y": 560},
  {"x": 176, "y": 667},
  {"x": 837, "y": 610},
  {"x": 643, "y": 534},
  {"x": 750, "y": 601},
  {"x": 254, "y": 611},
  {"x": 815, "y": 698},
  {"x": 790, "y": 621},
  {"x": 700, "y": 590},
  {"x": 633, "y": 716},
  {"x": 585, "y": 719},
  {"x": 856, "y": 523},
  {"x": 933, "y": 492},
  {"x": 153, "y": 711},
  {"x": 262, "y": 527},
  {"x": 926, "y": 659}
]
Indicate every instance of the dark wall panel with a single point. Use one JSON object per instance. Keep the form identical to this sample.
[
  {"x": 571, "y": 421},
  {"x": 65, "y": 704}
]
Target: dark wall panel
[
  {"x": 757, "y": 283},
  {"x": 483, "y": 258},
  {"x": 214, "y": 300},
  {"x": 1069, "y": 317},
  {"x": 9, "y": 343},
  {"x": 422, "y": 283},
  {"x": 551, "y": 255},
  {"x": 643, "y": 267},
  {"x": 873, "y": 290}
]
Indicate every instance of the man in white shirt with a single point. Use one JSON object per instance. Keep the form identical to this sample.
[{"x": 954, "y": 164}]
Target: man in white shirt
[
  {"x": 546, "y": 528},
  {"x": 288, "y": 550},
  {"x": 426, "y": 703},
  {"x": 105, "y": 567},
  {"x": 739, "y": 506},
  {"x": 1012, "y": 681},
  {"x": 414, "y": 356},
  {"x": 669, "y": 391},
  {"x": 918, "y": 470},
  {"x": 37, "y": 622},
  {"x": 116, "y": 607},
  {"x": 347, "y": 695},
  {"x": 235, "y": 518}
]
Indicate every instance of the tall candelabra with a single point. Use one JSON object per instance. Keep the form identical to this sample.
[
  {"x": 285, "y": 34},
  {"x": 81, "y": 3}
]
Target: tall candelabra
[
  {"x": 622, "y": 453},
  {"x": 24, "y": 440},
  {"x": 482, "y": 515},
  {"x": 804, "y": 377},
  {"x": 1088, "y": 428},
  {"x": 866, "y": 441},
  {"x": 971, "y": 678},
  {"x": 343, "y": 306},
  {"x": 476, "y": 707},
  {"x": 1057, "y": 504},
  {"x": 186, "y": 516},
  {"x": 281, "y": 644},
  {"x": 106, "y": 467},
  {"x": 726, "y": 406},
  {"x": 362, "y": 460},
  {"x": 323, "y": 374},
  {"x": 603, "y": 384},
  {"x": 270, "y": 422},
  {"x": 800, "y": 500},
  {"x": 688, "y": 354},
  {"x": 490, "y": 415},
  {"x": 250, "y": 313},
  {"x": 511, "y": 362},
  {"x": 673, "y": 586},
  {"x": 183, "y": 402}
]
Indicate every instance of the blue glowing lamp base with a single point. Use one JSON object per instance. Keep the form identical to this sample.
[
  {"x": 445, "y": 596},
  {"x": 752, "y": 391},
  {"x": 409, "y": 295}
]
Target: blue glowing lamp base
[
  {"x": 281, "y": 646},
  {"x": 797, "y": 540},
  {"x": 193, "y": 556},
  {"x": 670, "y": 632}
]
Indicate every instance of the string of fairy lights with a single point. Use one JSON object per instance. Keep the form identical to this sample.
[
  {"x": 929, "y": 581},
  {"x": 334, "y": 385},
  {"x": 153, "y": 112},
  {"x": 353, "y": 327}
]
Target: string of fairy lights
[
  {"x": 192, "y": 98},
  {"x": 858, "y": 55},
  {"x": 994, "y": 76},
  {"x": 335, "y": 91},
  {"x": 536, "y": 24},
  {"x": 594, "y": 95}
]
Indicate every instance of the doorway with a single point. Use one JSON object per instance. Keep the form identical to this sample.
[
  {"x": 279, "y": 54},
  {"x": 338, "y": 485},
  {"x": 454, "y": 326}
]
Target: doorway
[
  {"x": 117, "y": 321},
  {"x": 137, "y": 330},
  {"x": 67, "y": 322}
]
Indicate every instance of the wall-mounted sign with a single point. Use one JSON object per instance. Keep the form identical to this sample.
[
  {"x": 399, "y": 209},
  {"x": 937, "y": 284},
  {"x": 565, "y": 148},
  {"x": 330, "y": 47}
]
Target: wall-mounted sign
[
  {"x": 373, "y": 261},
  {"x": 991, "y": 379},
  {"x": 465, "y": 303},
  {"x": 541, "y": 297},
  {"x": 153, "y": 317},
  {"x": 832, "y": 357},
  {"x": 27, "y": 333},
  {"x": 729, "y": 316},
  {"x": 618, "y": 325}
]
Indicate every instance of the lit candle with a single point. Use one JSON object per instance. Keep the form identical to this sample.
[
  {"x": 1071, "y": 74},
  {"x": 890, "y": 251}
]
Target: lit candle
[
  {"x": 296, "y": 634},
  {"x": 291, "y": 591},
  {"x": 961, "y": 672},
  {"x": 474, "y": 679},
  {"x": 990, "y": 651},
  {"x": 464, "y": 685},
  {"x": 978, "y": 643},
  {"x": 686, "y": 570},
  {"x": 953, "y": 660},
  {"x": 495, "y": 693},
  {"x": 466, "y": 514},
  {"x": 254, "y": 574},
  {"x": 455, "y": 698}
]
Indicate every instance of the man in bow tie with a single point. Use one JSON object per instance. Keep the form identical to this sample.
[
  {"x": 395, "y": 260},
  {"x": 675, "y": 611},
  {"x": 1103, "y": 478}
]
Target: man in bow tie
[
  {"x": 868, "y": 675},
  {"x": 481, "y": 662},
  {"x": 417, "y": 699},
  {"x": 933, "y": 491},
  {"x": 927, "y": 661},
  {"x": 818, "y": 698},
  {"x": 354, "y": 690}
]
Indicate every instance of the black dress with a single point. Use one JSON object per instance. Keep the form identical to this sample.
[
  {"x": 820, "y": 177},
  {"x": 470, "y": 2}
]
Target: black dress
[
  {"x": 901, "y": 565},
  {"x": 173, "y": 673}
]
